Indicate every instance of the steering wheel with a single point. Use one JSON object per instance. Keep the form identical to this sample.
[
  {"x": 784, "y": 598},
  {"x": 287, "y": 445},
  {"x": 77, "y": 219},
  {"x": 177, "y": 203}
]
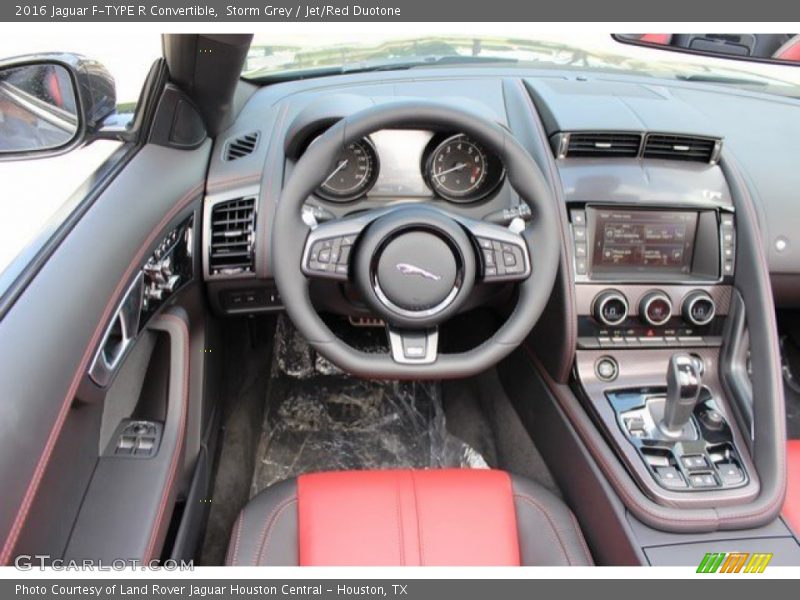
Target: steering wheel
[{"x": 415, "y": 265}]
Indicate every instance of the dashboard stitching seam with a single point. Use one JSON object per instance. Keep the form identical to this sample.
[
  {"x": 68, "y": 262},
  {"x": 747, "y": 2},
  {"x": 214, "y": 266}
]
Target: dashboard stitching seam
[{"x": 555, "y": 185}]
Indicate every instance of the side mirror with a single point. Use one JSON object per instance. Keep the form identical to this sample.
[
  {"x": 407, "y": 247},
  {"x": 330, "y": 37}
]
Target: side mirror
[{"x": 51, "y": 103}]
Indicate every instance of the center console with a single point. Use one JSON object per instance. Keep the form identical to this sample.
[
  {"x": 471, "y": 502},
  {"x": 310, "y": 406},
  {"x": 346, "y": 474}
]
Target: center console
[{"x": 653, "y": 291}]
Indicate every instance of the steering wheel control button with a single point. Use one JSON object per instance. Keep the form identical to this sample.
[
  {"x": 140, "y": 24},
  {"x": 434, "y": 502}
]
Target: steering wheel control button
[
  {"x": 698, "y": 308},
  {"x": 670, "y": 478},
  {"x": 606, "y": 368},
  {"x": 655, "y": 308},
  {"x": 330, "y": 257},
  {"x": 501, "y": 261},
  {"x": 610, "y": 308},
  {"x": 417, "y": 271}
]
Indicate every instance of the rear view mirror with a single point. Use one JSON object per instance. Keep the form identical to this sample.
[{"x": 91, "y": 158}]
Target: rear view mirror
[
  {"x": 776, "y": 48},
  {"x": 51, "y": 104}
]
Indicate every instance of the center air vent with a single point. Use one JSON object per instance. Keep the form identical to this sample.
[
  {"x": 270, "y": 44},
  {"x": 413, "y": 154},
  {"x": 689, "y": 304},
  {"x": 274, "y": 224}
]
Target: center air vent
[
  {"x": 232, "y": 237},
  {"x": 600, "y": 144},
  {"x": 682, "y": 147},
  {"x": 241, "y": 146}
]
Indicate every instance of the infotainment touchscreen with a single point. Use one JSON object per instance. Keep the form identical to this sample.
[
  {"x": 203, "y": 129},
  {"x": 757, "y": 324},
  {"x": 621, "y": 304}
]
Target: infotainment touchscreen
[{"x": 638, "y": 240}]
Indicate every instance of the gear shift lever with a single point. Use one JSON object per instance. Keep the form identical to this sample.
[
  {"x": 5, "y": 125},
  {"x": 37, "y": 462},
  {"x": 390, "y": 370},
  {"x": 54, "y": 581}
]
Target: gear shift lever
[{"x": 684, "y": 379}]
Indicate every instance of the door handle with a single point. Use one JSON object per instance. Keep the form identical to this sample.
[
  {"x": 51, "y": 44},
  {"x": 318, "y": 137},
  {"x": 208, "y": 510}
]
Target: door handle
[{"x": 119, "y": 334}]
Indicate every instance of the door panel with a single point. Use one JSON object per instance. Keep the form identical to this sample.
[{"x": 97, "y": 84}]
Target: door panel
[
  {"x": 50, "y": 335},
  {"x": 129, "y": 501}
]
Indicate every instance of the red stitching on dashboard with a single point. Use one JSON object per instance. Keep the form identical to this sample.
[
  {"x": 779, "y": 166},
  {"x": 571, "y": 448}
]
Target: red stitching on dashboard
[
  {"x": 571, "y": 321},
  {"x": 775, "y": 504},
  {"x": 44, "y": 459},
  {"x": 266, "y": 192},
  {"x": 176, "y": 454}
]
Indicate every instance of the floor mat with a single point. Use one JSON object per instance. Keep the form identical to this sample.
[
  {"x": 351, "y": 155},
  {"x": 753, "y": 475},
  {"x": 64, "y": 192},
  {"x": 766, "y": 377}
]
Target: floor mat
[{"x": 318, "y": 420}]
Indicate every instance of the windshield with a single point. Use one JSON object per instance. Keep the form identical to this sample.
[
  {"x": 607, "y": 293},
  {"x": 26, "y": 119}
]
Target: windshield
[{"x": 287, "y": 55}]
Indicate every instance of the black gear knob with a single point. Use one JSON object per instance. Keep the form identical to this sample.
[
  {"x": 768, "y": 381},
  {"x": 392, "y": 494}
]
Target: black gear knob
[{"x": 684, "y": 382}]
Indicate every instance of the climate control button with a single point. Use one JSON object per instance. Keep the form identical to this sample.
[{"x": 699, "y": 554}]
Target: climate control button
[
  {"x": 655, "y": 308},
  {"x": 698, "y": 308},
  {"x": 610, "y": 308}
]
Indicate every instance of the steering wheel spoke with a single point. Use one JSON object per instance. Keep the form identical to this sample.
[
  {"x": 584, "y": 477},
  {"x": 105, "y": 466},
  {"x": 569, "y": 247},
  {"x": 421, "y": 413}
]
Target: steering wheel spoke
[
  {"x": 413, "y": 347},
  {"x": 326, "y": 254},
  {"x": 503, "y": 254}
]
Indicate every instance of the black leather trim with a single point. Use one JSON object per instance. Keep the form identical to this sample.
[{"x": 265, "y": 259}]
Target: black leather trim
[
  {"x": 548, "y": 531},
  {"x": 266, "y": 531},
  {"x": 769, "y": 416},
  {"x": 559, "y": 322}
]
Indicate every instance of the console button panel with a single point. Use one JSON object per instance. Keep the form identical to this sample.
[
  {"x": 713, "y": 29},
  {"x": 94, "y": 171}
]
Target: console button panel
[
  {"x": 705, "y": 460},
  {"x": 684, "y": 317}
]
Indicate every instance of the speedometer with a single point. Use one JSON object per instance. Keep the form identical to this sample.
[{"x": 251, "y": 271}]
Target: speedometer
[
  {"x": 353, "y": 174},
  {"x": 460, "y": 170}
]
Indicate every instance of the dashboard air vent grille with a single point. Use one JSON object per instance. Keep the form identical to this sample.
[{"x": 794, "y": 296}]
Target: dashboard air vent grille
[
  {"x": 681, "y": 147},
  {"x": 241, "y": 146},
  {"x": 603, "y": 144},
  {"x": 232, "y": 234}
]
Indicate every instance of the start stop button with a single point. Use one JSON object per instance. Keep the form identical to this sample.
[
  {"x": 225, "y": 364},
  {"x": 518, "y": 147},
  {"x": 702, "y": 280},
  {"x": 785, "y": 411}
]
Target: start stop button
[{"x": 606, "y": 368}]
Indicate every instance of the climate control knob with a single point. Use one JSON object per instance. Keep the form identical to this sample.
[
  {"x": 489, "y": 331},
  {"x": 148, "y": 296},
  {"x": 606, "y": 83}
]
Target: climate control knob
[
  {"x": 610, "y": 308},
  {"x": 655, "y": 308},
  {"x": 698, "y": 308}
]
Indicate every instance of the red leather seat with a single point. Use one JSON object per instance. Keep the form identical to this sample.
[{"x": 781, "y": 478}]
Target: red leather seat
[
  {"x": 791, "y": 506},
  {"x": 403, "y": 517}
]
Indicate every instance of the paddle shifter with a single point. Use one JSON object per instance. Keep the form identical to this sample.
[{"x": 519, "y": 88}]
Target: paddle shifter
[{"x": 684, "y": 382}]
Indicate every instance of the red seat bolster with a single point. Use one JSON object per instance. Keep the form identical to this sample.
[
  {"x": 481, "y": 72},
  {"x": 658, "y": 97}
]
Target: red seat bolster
[
  {"x": 791, "y": 506},
  {"x": 401, "y": 517}
]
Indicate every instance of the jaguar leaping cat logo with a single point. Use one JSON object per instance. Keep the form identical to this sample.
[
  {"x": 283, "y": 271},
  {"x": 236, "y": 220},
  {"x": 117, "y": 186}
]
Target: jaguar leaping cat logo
[{"x": 409, "y": 269}]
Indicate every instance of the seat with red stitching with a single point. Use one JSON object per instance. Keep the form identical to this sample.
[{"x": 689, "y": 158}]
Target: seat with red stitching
[{"x": 446, "y": 517}]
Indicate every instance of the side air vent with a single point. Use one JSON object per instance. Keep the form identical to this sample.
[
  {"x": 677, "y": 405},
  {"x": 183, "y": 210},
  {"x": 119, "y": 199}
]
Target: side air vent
[
  {"x": 241, "y": 146},
  {"x": 230, "y": 250},
  {"x": 682, "y": 147},
  {"x": 600, "y": 144}
]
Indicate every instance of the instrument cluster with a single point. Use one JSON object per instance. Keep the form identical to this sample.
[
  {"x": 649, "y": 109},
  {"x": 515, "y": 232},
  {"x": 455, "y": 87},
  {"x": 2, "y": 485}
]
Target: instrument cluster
[{"x": 453, "y": 167}]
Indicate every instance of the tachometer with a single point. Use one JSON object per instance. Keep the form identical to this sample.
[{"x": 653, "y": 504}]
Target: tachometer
[
  {"x": 459, "y": 170},
  {"x": 457, "y": 167},
  {"x": 354, "y": 173}
]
